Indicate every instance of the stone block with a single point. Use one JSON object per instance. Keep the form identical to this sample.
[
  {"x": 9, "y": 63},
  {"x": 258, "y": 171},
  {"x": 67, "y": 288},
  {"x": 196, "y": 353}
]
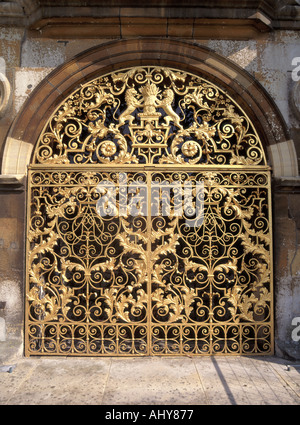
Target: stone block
[
  {"x": 283, "y": 159},
  {"x": 11, "y": 292},
  {"x": 139, "y": 27},
  {"x": 16, "y": 157},
  {"x": 26, "y": 79},
  {"x": 2, "y": 329},
  {"x": 180, "y": 28},
  {"x": 2, "y": 322}
]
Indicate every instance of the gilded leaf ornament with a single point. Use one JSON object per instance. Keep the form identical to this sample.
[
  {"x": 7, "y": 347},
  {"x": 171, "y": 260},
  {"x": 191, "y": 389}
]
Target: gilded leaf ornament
[
  {"x": 118, "y": 117},
  {"x": 149, "y": 222}
]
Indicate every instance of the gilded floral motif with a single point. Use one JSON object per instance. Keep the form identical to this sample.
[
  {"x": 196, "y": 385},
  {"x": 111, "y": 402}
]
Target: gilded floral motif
[
  {"x": 189, "y": 148},
  {"x": 108, "y": 148}
]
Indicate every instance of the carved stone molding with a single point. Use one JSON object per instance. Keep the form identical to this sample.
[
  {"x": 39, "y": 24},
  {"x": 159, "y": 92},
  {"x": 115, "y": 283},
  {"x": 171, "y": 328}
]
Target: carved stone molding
[
  {"x": 11, "y": 183},
  {"x": 295, "y": 99},
  {"x": 5, "y": 92},
  {"x": 45, "y": 17}
]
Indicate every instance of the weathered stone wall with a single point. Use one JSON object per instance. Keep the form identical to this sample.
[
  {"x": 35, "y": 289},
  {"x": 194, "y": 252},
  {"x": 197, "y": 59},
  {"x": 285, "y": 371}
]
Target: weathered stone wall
[
  {"x": 27, "y": 60},
  {"x": 268, "y": 58},
  {"x": 286, "y": 202},
  {"x": 12, "y": 243}
]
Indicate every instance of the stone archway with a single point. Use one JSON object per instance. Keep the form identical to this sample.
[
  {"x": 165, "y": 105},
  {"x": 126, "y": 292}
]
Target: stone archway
[
  {"x": 114, "y": 55},
  {"x": 186, "y": 56}
]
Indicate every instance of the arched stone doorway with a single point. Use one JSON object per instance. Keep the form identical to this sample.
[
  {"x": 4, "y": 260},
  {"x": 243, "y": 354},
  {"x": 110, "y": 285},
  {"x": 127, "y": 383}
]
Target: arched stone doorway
[
  {"x": 149, "y": 220},
  {"x": 189, "y": 57}
]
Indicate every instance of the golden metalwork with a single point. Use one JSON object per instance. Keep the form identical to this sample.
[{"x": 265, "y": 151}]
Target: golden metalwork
[
  {"x": 164, "y": 112},
  {"x": 119, "y": 260}
]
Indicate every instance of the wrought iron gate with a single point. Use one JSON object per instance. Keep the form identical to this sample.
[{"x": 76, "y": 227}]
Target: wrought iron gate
[{"x": 149, "y": 228}]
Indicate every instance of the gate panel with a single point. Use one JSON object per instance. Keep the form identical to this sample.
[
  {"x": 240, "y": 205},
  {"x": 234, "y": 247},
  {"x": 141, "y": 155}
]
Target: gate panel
[
  {"x": 211, "y": 290},
  {"x": 202, "y": 237},
  {"x": 88, "y": 269}
]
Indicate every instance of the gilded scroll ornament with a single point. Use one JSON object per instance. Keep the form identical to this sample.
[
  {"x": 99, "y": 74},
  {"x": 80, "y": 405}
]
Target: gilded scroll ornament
[
  {"x": 153, "y": 107},
  {"x": 149, "y": 227}
]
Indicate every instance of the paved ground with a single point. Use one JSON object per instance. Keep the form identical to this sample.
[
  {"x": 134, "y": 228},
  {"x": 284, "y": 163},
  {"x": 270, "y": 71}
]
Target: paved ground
[{"x": 151, "y": 381}]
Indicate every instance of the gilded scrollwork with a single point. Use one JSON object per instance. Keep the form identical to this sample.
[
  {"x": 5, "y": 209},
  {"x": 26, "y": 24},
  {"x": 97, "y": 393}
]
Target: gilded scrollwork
[
  {"x": 155, "y": 107},
  {"x": 149, "y": 222},
  {"x": 112, "y": 270}
]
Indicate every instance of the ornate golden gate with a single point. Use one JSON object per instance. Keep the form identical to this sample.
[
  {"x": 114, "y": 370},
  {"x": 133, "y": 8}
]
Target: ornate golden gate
[{"x": 149, "y": 225}]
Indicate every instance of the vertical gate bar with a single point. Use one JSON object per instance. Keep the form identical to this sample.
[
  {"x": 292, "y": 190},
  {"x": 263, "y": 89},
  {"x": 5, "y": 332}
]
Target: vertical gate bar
[
  {"x": 149, "y": 265},
  {"x": 271, "y": 261},
  {"x": 27, "y": 266},
  {"x": 240, "y": 340}
]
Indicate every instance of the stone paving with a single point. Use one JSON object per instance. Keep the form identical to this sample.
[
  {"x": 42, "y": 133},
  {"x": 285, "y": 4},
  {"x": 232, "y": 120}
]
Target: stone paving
[{"x": 151, "y": 381}]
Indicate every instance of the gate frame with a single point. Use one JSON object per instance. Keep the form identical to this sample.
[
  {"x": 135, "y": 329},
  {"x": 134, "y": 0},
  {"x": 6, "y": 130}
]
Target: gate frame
[{"x": 202, "y": 169}]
